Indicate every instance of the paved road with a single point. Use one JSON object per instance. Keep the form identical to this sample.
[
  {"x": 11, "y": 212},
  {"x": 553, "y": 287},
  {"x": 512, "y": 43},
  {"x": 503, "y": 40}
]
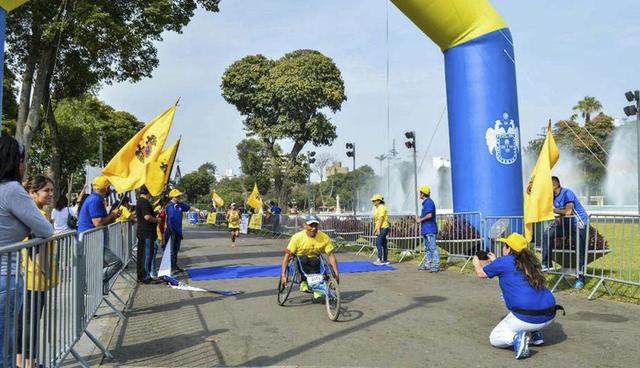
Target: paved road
[{"x": 401, "y": 318}]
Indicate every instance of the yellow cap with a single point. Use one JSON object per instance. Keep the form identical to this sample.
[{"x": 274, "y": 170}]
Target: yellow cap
[
  {"x": 515, "y": 241},
  {"x": 100, "y": 182},
  {"x": 377, "y": 197},
  {"x": 175, "y": 193},
  {"x": 425, "y": 189}
]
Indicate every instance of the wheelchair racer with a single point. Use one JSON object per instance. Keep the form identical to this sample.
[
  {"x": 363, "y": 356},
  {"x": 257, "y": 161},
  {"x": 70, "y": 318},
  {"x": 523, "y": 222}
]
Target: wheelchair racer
[{"x": 307, "y": 245}]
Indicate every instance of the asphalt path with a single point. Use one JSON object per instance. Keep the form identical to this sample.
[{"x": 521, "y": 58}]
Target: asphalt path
[{"x": 400, "y": 318}]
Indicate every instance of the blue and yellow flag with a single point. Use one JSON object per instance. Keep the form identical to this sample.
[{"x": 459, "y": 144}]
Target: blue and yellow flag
[
  {"x": 127, "y": 170},
  {"x": 254, "y": 199},
  {"x": 159, "y": 171},
  {"x": 538, "y": 196}
]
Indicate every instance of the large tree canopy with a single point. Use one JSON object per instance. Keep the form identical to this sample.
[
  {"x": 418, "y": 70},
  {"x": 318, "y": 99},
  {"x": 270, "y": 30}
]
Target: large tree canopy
[{"x": 286, "y": 98}]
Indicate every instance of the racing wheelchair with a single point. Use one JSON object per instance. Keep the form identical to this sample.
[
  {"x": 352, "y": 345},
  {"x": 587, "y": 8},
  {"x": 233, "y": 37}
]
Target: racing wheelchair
[{"x": 324, "y": 282}]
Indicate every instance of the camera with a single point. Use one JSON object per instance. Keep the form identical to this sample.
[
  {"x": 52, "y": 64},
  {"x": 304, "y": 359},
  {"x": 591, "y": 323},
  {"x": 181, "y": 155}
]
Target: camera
[{"x": 482, "y": 255}]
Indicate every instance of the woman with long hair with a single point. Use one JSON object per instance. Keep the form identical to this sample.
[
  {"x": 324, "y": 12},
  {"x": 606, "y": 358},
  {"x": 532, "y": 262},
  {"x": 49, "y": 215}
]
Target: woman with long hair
[
  {"x": 531, "y": 305},
  {"x": 381, "y": 229},
  {"x": 19, "y": 217},
  {"x": 61, "y": 213}
]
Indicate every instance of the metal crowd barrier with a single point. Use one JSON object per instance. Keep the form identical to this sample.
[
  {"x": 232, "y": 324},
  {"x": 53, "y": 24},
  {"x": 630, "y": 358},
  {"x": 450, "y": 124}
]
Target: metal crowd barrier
[
  {"x": 51, "y": 290},
  {"x": 460, "y": 235},
  {"x": 613, "y": 250}
]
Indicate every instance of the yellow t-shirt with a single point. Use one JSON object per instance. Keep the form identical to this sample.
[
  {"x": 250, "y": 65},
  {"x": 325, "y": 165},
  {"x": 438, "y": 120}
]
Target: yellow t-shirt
[
  {"x": 30, "y": 268},
  {"x": 379, "y": 213},
  {"x": 302, "y": 244},
  {"x": 234, "y": 219}
]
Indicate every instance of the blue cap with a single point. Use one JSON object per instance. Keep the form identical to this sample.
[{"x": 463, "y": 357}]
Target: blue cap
[{"x": 311, "y": 219}]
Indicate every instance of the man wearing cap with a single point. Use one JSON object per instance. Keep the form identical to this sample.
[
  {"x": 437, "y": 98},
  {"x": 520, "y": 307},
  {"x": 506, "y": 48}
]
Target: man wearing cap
[
  {"x": 381, "y": 229},
  {"x": 93, "y": 213},
  {"x": 428, "y": 229},
  {"x": 175, "y": 209},
  {"x": 146, "y": 232},
  {"x": 531, "y": 305},
  {"x": 307, "y": 246}
]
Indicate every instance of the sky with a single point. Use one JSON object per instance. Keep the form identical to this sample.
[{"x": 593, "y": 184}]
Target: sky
[{"x": 564, "y": 51}]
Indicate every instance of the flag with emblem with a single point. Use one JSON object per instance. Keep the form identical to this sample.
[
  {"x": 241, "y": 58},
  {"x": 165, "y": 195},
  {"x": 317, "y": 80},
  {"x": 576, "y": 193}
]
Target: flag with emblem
[
  {"x": 538, "y": 196},
  {"x": 127, "y": 170},
  {"x": 158, "y": 171},
  {"x": 254, "y": 199},
  {"x": 217, "y": 200}
]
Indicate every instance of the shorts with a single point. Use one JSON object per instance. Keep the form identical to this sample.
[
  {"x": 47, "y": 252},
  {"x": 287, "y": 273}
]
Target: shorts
[{"x": 232, "y": 229}]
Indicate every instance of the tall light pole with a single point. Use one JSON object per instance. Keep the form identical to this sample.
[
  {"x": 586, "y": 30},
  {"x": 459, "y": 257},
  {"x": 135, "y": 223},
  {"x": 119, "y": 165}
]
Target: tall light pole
[
  {"x": 411, "y": 144},
  {"x": 351, "y": 152},
  {"x": 100, "y": 152},
  {"x": 310, "y": 160},
  {"x": 630, "y": 111}
]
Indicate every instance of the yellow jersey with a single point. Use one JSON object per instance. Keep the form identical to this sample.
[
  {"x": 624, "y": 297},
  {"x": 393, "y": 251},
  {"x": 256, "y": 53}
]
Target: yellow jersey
[
  {"x": 380, "y": 213},
  {"x": 302, "y": 244},
  {"x": 233, "y": 216}
]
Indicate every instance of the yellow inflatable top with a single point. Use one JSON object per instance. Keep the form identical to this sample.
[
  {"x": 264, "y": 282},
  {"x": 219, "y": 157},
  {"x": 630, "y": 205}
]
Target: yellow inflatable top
[{"x": 452, "y": 22}]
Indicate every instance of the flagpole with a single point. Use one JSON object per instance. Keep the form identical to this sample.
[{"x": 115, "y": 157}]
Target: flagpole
[{"x": 174, "y": 157}]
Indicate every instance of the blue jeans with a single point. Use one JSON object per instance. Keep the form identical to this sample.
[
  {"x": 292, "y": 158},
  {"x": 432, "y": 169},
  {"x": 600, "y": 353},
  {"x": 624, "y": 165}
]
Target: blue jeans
[
  {"x": 565, "y": 229},
  {"x": 148, "y": 257},
  {"x": 175, "y": 248},
  {"x": 431, "y": 256},
  {"x": 381, "y": 244},
  {"x": 10, "y": 292},
  {"x": 154, "y": 267}
]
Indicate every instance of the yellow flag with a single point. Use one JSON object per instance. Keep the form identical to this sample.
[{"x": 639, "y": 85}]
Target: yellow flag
[
  {"x": 217, "y": 200},
  {"x": 538, "y": 196},
  {"x": 9, "y": 5},
  {"x": 128, "y": 168},
  {"x": 254, "y": 199},
  {"x": 158, "y": 171}
]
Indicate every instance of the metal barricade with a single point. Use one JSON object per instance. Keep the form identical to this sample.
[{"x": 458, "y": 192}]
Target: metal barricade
[
  {"x": 404, "y": 235},
  {"x": 613, "y": 250},
  {"x": 290, "y": 224},
  {"x": 460, "y": 235},
  {"x": 349, "y": 229}
]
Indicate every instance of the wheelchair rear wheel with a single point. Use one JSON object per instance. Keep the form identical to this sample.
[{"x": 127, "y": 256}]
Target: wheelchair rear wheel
[
  {"x": 332, "y": 299},
  {"x": 285, "y": 290}
]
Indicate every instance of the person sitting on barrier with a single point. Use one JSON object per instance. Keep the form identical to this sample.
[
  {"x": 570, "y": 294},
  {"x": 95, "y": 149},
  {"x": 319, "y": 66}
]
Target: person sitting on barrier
[
  {"x": 175, "y": 209},
  {"x": 19, "y": 217},
  {"x": 39, "y": 265},
  {"x": 429, "y": 230},
  {"x": 531, "y": 305},
  {"x": 566, "y": 204},
  {"x": 233, "y": 219},
  {"x": 307, "y": 246},
  {"x": 93, "y": 213},
  {"x": 381, "y": 229}
]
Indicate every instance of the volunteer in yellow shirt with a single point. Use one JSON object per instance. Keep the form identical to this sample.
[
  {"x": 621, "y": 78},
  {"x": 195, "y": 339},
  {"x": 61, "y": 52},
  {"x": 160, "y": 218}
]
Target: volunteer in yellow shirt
[
  {"x": 233, "y": 218},
  {"x": 381, "y": 229},
  {"x": 307, "y": 245}
]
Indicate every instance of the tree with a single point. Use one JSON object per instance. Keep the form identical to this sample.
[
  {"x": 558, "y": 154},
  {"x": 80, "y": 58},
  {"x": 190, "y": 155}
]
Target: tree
[
  {"x": 67, "y": 49},
  {"x": 322, "y": 162},
  {"x": 197, "y": 185},
  {"x": 286, "y": 99},
  {"x": 231, "y": 190},
  {"x": 587, "y": 106},
  {"x": 208, "y": 168},
  {"x": 254, "y": 163}
]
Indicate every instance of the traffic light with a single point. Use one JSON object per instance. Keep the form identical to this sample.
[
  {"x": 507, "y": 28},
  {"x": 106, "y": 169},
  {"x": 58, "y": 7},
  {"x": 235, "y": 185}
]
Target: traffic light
[
  {"x": 351, "y": 149},
  {"x": 311, "y": 157},
  {"x": 411, "y": 143},
  {"x": 631, "y": 109}
]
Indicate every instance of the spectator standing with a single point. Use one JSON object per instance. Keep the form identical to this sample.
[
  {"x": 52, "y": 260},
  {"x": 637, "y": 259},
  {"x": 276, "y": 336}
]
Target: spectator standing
[
  {"x": 61, "y": 214},
  {"x": 429, "y": 230},
  {"x": 381, "y": 229},
  {"x": 566, "y": 205},
  {"x": 175, "y": 210},
  {"x": 93, "y": 213},
  {"x": 146, "y": 233},
  {"x": 19, "y": 217},
  {"x": 531, "y": 305}
]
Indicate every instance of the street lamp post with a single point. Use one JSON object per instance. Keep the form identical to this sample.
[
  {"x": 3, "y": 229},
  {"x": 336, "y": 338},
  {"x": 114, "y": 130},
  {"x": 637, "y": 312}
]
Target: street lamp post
[
  {"x": 411, "y": 144},
  {"x": 310, "y": 160},
  {"x": 101, "y": 137},
  {"x": 351, "y": 152},
  {"x": 630, "y": 111}
]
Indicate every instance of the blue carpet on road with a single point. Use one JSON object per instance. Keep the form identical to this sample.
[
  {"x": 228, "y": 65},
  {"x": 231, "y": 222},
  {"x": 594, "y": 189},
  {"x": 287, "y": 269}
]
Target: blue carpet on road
[{"x": 238, "y": 272}]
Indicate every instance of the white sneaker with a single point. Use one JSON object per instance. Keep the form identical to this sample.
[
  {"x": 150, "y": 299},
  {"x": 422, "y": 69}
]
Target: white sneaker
[
  {"x": 378, "y": 263},
  {"x": 385, "y": 263}
]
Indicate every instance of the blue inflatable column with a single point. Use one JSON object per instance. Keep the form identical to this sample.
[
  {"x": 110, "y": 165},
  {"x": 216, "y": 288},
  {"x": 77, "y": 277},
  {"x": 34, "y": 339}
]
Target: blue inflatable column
[
  {"x": 3, "y": 16},
  {"x": 484, "y": 128}
]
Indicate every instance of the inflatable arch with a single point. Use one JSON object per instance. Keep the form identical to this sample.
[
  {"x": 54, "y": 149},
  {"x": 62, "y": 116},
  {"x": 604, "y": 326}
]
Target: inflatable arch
[{"x": 484, "y": 139}]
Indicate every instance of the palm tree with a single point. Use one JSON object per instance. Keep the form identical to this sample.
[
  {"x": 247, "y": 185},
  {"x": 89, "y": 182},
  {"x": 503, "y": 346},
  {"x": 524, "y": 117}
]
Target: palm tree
[
  {"x": 587, "y": 106},
  {"x": 381, "y": 158}
]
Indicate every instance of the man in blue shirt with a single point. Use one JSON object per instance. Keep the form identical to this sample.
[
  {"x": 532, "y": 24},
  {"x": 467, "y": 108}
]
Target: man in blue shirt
[
  {"x": 275, "y": 214},
  {"x": 173, "y": 231},
  {"x": 573, "y": 224},
  {"x": 93, "y": 214},
  {"x": 429, "y": 230}
]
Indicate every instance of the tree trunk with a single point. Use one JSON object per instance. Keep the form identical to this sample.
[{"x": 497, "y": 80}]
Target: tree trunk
[
  {"x": 25, "y": 96},
  {"x": 55, "y": 165}
]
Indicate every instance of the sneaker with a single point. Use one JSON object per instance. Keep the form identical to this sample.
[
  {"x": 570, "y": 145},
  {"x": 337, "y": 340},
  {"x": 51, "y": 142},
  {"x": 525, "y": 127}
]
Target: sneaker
[
  {"x": 536, "y": 338},
  {"x": 385, "y": 263},
  {"x": 378, "y": 263},
  {"x": 521, "y": 345},
  {"x": 317, "y": 294},
  {"x": 423, "y": 268},
  {"x": 435, "y": 270},
  {"x": 304, "y": 287},
  {"x": 579, "y": 284}
]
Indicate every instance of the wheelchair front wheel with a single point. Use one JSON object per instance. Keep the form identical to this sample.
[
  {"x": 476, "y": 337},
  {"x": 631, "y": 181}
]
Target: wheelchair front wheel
[
  {"x": 332, "y": 299},
  {"x": 285, "y": 290}
]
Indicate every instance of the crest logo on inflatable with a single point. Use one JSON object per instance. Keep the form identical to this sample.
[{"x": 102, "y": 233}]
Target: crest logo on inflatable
[{"x": 503, "y": 140}]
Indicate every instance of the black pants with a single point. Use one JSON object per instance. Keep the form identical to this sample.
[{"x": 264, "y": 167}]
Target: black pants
[{"x": 309, "y": 265}]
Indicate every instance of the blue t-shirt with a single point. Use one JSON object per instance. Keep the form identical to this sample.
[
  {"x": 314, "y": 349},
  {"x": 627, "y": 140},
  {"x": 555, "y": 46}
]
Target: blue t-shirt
[
  {"x": 517, "y": 292},
  {"x": 174, "y": 216},
  {"x": 93, "y": 207},
  {"x": 430, "y": 226},
  {"x": 276, "y": 210},
  {"x": 565, "y": 196}
]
